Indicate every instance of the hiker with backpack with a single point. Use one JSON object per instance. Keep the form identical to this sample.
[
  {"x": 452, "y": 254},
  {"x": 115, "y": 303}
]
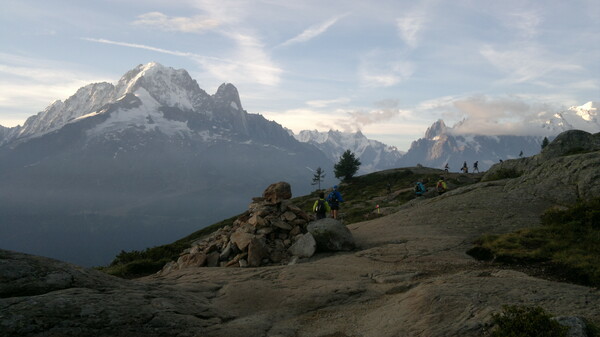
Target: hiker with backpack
[
  {"x": 334, "y": 198},
  {"x": 441, "y": 186},
  {"x": 321, "y": 207},
  {"x": 420, "y": 189}
]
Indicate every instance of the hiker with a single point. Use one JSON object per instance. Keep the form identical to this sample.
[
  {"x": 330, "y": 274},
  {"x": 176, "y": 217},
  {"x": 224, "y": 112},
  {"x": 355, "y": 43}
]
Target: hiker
[
  {"x": 334, "y": 198},
  {"x": 446, "y": 168},
  {"x": 476, "y": 167},
  {"x": 321, "y": 207},
  {"x": 441, "y": 186},
  {"x": 465, "y": 168},
  {"x": 420, "y": 189}
]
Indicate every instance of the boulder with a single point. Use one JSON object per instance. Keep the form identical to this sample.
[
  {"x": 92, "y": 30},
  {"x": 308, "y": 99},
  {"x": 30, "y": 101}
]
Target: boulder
[
  {"x": 305, "y": 246},
  {"x": 577, "y": 326},
  {"x": 331, "y": 235},
  {"x": 277, "y": 192},
  {"x": 241, "y": 239},
  {"x": 257, "y": 251}
]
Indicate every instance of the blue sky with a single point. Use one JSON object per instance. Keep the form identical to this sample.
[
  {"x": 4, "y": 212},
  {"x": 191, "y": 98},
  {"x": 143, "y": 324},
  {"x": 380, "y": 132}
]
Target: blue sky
[{"x": 388, "y": 68}]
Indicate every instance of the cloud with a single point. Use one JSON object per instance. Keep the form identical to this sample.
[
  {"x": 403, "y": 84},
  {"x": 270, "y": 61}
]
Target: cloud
[
  {"x": 313, "y": 31},
  {"x": 501, "y": 116},
  {"x": 410, "y": 27},
  {"x": 357, "y": 119},
  {"x": 29, "y": 85},
  {"x": 260, "y": 70},
  {"x": 139, "y": 46},
  {"x": 327, "y": 103},
  {"x": 379, "y": 69},
  {"x": 525, "y": 64},
  {"x": 526, "y": 23},
  {"x": 195, "y": 24}
]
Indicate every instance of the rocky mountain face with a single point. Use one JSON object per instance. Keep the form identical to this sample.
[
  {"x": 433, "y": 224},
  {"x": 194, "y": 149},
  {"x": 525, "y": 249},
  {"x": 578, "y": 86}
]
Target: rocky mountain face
[
  {"x": 374, "y": 155},
  {"x": 408, "y": 276},
  {"x": 441, "y": 146},
  {"x": 136, "y": 164}
]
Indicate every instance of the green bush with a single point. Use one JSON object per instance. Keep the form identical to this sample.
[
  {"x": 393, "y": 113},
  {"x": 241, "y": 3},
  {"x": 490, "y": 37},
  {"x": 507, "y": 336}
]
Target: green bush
[{"x": 523, "y": 321}]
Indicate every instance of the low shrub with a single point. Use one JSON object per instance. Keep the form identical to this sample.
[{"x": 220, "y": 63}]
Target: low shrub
[
  {"x": 524, "y": 321},
  {"x": 503, "y": 173}
]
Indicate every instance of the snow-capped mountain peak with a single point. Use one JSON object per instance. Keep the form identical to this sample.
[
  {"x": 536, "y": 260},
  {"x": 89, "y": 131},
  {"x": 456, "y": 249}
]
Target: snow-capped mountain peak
[
  {"x": 584, "y": 117},
  {"x": 168, "y": 86},
  {"x": 588, "y": 111}
]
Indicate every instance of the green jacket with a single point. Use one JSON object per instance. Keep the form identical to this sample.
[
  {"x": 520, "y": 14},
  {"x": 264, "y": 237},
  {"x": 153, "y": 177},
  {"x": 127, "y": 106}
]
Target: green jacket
[{"x": 327, "y": 208}]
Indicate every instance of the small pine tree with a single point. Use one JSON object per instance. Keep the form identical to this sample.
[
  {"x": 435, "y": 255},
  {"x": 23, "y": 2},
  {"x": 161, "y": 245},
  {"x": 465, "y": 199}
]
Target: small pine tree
[
  {"x": 347, "y": 166},
  {"x": 545, "y": 142},
  {"x": 318, "y": 177}
]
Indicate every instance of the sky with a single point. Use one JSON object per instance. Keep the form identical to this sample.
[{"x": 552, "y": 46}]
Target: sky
[{"x": 387, "y": 68}]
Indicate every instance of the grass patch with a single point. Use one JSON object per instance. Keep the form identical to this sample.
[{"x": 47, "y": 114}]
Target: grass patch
[
  {"x": 503, "y": 173},
  {"x": 138, "y": 263},
  {"x": 524, "y": 321},
  {"x": 568, "y": 242}
]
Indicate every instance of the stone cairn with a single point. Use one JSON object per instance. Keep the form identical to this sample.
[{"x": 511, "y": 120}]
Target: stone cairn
[{"x": 261, "y": 236}]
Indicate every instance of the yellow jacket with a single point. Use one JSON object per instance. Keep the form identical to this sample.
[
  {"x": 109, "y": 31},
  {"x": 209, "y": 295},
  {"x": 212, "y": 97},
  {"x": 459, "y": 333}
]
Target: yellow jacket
[{"x": 327, "y": 208}]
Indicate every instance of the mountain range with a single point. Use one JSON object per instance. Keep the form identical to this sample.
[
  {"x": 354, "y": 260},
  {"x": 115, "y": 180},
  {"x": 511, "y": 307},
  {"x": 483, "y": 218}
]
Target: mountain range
[
  {"x": 155, "y": 157},
  {"x": 139, "y": 163}
]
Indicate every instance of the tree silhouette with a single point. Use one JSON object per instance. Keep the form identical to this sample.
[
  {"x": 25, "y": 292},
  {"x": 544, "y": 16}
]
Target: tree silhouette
[
  {"x": 347, "y": 166},
  {"x": 545, "y": 142},
  {"x": 318, "y": 177}
]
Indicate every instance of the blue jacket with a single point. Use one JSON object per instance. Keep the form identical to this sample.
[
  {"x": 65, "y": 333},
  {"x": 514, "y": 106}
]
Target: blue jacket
[
  {"x": 421, "y": 188},
  {"x": 338, "y": 196}
]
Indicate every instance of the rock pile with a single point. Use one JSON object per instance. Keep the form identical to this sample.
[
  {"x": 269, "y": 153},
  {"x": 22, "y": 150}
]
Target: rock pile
[{"x": 260, "y": 236}]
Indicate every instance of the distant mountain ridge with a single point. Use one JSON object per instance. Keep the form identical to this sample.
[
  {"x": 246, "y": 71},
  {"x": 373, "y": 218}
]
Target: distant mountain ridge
[{"x": 374, "y": 155}]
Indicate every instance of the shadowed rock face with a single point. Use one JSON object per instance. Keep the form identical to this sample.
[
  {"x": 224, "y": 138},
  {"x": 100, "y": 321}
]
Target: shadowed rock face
[{"x": 408, "y": 276}]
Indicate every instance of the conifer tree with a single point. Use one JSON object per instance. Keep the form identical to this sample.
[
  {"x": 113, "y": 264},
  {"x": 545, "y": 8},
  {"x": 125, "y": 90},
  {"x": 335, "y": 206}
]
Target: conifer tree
[
  {"x": 545, "y": 142},
  {"x": 318, "y": 177},
  {"x": 347, "y": 166}
]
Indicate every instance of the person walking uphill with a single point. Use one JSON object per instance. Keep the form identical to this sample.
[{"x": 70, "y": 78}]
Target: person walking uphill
[
  {"x": 334, "y": 198},
  {"x": 321, "y": 207}
]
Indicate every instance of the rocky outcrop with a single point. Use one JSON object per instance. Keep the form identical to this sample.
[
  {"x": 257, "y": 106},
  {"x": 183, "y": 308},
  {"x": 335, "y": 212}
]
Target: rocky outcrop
[
  {"x": 566, "y": 171},
  {"x": 261, "y": 236},
  {"x": 331, "y": 235},
  {"x": 46, "y": 297}
]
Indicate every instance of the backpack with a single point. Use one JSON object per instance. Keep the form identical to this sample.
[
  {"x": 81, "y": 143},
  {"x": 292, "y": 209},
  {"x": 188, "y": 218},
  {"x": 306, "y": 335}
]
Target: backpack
[
  {"x": 320, "y": 209},
  {"x": 332, "y": 197},
  {"x": 419, "y": 188},
  {"x": 440, "y": 186}
]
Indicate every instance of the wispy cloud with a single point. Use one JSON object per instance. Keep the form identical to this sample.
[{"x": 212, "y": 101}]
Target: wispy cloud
[
  {"x": 525, "y": 64},
  {"x": 28, "y": 85},
  {"x": 383, "y": 69},
  {"x": 139, "y": 46},
  {"x": 410, "y": 26},
  {"x": 327, "y": 103},
  {"x": 260, "y": 70},
  {"x": 194, "y": 24},
  {"x": 526, "y": 23},
  {"x": 313, "y": 31}
]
